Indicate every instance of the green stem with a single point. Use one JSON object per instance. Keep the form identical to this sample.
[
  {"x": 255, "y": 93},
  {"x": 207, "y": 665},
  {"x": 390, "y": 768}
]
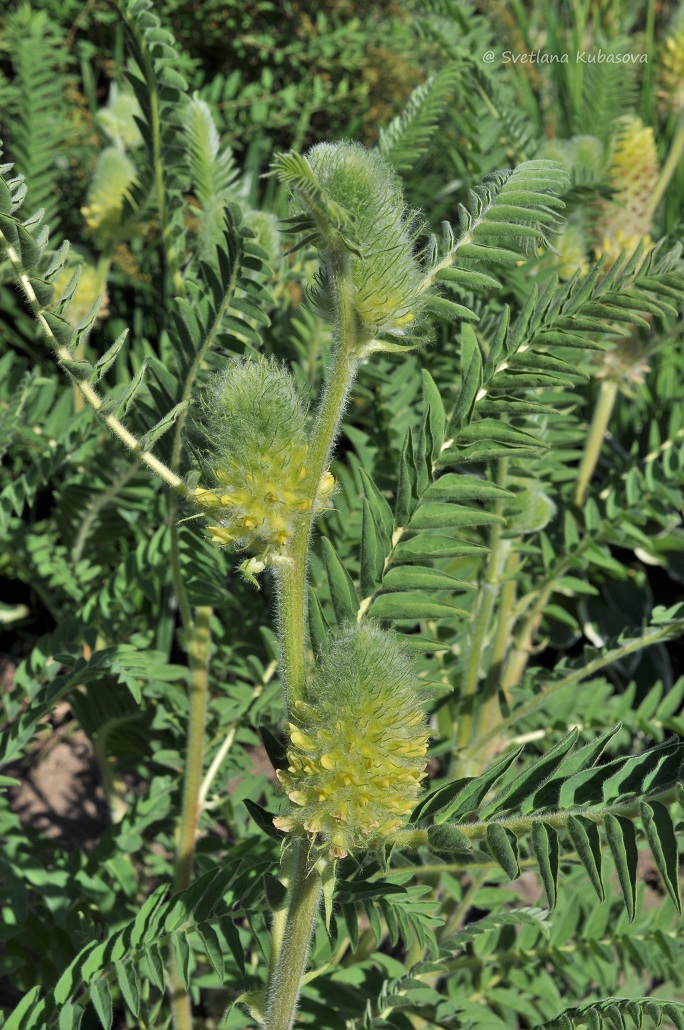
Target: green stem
[
  {"x": 505, "y": 619},
  {"x": 280, "y": 915},
  {"x": 198, "y": 645},
  {"x": 489, "y": 592},
  {"x": 148, "y": 70},
  {"x": 601, "y": 662},
  {"x": 292, "y": 581},
  {"x": 670, "y": 165},
  {"x": 519, "y": 656},
  {"x": 597, "y": 432},
  {"x": 454, "y": 920},
  {"x": 304, "y": 900},
  {"x": 490, "y": 706},
  {"x": 292, "y": 931},
  {"x": 198, "y": 653},
  {"x": 198, "y": 641}
]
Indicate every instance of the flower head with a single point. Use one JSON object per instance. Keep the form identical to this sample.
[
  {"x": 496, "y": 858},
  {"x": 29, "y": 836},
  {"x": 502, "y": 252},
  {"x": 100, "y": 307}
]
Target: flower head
[
  {"x": 626, "y": 218},
  {"x": 358, "y": 749},
  {"x": 109, "y": 189},
  {"x": 671, "y": 68},
  {"x": 256, "y": 461},
  {"x": 351, "y": 202}
]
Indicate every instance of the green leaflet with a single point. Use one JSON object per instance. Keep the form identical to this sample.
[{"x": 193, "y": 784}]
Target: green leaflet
[
  {"x": 372, "y": 552},
  {"x": 504, "y": 847},
  {"x": 546, "y": 851},
  {"x": 536, "y": 917},
  {"x": 128, "y": 982},
  {"x": 460, "y": 488},
  {"x": 585, "y": 837},
  {"x": 435, "y": 515},
  {"x": 622, "y": 841},
  {"x": 412, "y": 606},
  {"x": 663, "y": 844},
  {"x": 511, "y": 797},
  {"x": 413, "y": 577},
  {"x": 469, "y": 798},
  {"x": 610, "y": 1012},
  {"x": 471, "y": 378},
  {"x": 101, "y": 998},
  {"x": 342, "y": 591}
]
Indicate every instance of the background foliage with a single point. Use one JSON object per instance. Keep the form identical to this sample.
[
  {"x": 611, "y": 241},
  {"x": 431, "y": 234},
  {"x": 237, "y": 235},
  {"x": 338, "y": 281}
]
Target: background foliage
[{"x": 458, "y": 518}]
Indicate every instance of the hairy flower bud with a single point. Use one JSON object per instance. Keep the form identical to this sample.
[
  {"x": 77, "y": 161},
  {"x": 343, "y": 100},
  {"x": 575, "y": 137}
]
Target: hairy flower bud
[
  {"x": 351, "y": 200},
  {"x": 255, "y": 424},
  {"x": 358, "y": 750}
]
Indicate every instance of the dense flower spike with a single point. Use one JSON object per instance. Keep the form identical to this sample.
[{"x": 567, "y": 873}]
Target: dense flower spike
[
  {"x": 256, "y": 423},
  {"x": 352, "y": 203},
  {"x": 110, "y": 188},
  {"x": 671, "y": 68},
  {"x": 358, "y": 750},
  {"x": 632, "y": 174}
]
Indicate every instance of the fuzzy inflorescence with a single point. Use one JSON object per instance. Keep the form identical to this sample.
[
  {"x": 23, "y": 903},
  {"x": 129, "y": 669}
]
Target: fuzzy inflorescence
[
  {"x": 110, "y": 188},
  {"x": 626, "y": 219},
  {"x": 671, "y": 68},
  {"x": 356, "y": 201},
  {"x": 255, "y": 423},
  {"x": 358, "y": 749}
]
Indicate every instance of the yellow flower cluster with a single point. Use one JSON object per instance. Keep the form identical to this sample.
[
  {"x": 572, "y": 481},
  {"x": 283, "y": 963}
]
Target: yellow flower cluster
[
  {"x": 256, "y": 465},
  {"x": 110, "y": 187},
  {"x": 671, "y": 69},
  {"x": 259, "y": 509},
  {"x": 626, "y": 218},
  {"x": 358, "y": 751}
]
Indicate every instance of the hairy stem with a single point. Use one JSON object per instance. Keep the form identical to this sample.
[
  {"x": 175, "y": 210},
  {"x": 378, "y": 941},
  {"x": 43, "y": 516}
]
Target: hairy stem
[
  {"x": 102, "y": 272},
  {"x": 292, "y": 932},
  {"x": 198, "y": 644},
  {"x": 89, "y": 392},
  {"x": 198, "y": 653},
  {"x": 285, "y": 982},
  {"x": 597, "y": 431},
  {"x": 292, "y": 581}
]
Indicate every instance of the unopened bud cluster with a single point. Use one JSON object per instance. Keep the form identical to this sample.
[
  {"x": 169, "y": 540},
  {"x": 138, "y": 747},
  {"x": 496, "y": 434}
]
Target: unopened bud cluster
[
  {"x": 352, "y": 203},
  {"x": 358, "y": 748},
  {"x": 255, "y": 423}
]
